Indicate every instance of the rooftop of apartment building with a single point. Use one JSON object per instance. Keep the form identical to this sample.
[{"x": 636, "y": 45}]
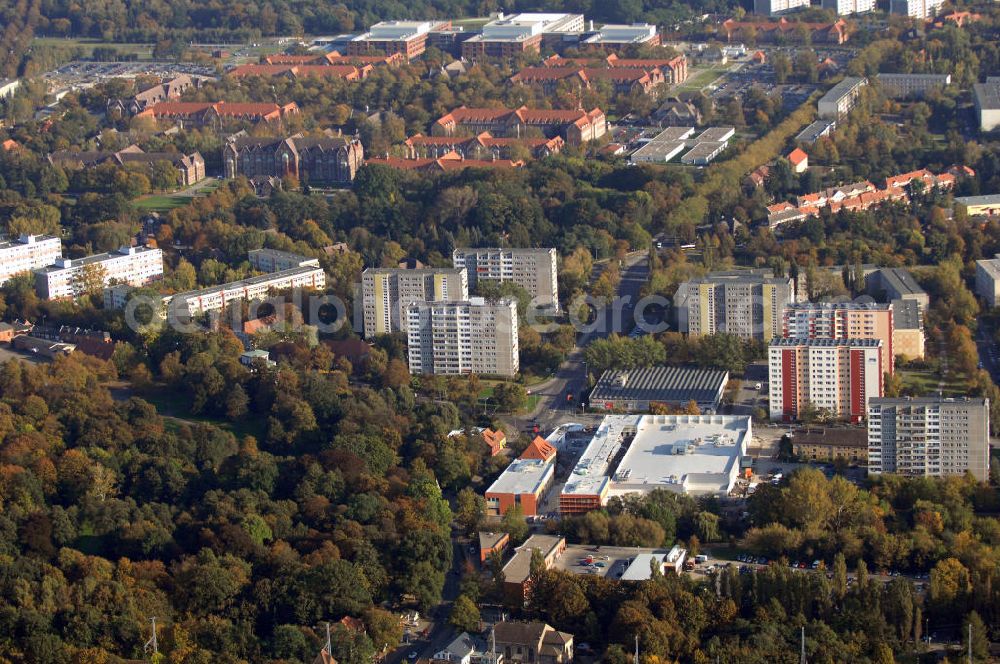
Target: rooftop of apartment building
[
  {"x": 414, "y": 270},
  {"x": 512, "y": 250},
  {"x": 70, "y": 263},
  {"x": 755, "y": 275},
  {"x": 988, "y": 93},
  {"x": 25, "y": 240},
  {"x": 837, "y": 306},
  {"x": 848, "y": 84},
  {"x": 791, "y": 342},
  {"x": 252, "y": 281},
  {"x": 906, "y": 315},
  {"x": 928, "y": 401}
]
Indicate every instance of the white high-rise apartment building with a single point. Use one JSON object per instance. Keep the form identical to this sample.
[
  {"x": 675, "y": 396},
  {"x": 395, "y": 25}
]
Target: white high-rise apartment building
[
  {"x": 774, "y": 7},
  {"x": 848, "y": 7},
  {"x": 747, "y": 303},
  {"x": 838, "y": 375},
  {"x": 463, "y": 337},
  {"x": 27, "y": 253},
  {"x": 215, "y": 298},
  {"x": 843, "y": 320},
  {"x": 136, "y": 266},
  {"x": 386, "y": 292},
  {"x": 275, "y": 260},
  {"x": 532, "y": 269},
  {"x": 915, "y": 8},
  {"x": 929, "y": 436}
]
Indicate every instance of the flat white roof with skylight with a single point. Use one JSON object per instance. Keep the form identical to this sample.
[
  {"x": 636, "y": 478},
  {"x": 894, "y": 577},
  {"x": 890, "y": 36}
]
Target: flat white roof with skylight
[{"x": 696, "y": 454}]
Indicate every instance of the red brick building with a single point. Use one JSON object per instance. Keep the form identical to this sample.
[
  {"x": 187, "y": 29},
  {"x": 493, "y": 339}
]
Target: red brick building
[
  {"x": 525, "y": 481},
  {"x": 575, "y": 127}
]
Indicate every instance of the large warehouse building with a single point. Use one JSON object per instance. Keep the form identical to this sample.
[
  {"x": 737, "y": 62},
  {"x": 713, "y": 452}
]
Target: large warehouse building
[
  {"x": 693, "y": 454},
  {"x": 635, "y": 390}
]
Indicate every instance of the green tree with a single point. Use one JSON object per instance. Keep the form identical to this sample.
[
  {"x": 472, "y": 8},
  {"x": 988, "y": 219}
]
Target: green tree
[
  {"x": 470, "y": 509},
  {"x": 464, "y": 615},
  {"x": 514, "y": 524}
]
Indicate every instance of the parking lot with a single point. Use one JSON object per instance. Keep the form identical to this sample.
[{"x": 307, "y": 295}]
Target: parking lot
[
  {"x": 609, "y": 561},
  {"x": 7, "y": 353},
  {"x": 82, "y": 75}
]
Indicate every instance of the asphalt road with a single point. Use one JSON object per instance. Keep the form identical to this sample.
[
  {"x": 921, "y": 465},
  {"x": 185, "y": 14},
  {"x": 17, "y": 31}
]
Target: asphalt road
[{"x": 553, "y": 408}]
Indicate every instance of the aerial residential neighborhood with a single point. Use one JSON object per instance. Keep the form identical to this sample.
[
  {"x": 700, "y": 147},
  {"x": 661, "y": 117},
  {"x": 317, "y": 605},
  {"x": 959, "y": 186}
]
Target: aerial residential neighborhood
[{"x": 538, "y": 333}]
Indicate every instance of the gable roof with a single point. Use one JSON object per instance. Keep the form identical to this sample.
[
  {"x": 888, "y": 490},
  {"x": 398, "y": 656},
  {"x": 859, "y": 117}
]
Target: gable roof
[
  {"x": 493, "y": 438},
  {"x": 539, "y": 449},
  {"x": 324, "y": 657},
  {"x": 797, "y": 156}
]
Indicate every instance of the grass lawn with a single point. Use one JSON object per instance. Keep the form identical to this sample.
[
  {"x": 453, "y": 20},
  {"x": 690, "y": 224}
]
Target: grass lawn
[
  {"x": 167, "y": 202},
  {"x": 144, "y": 51},
  {"x": 172, "y": 405},
  {"x": 160, "y": 203},
  {"x": 926, "y": 382},
  {"x": 701, "y": 78}
]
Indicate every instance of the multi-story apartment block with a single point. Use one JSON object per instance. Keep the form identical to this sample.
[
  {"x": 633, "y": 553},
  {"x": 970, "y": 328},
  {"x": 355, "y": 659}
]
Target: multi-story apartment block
[
  {"x": 215, "y": 298},
  {"x": 463, "y": 337},
  {"x": 534, "y": 270},
  {"x": 510, "y": 36},
  {"x": 747, "y": 303},
  {"x": 838, "y": 375},
  {"x": 386, "y": 293},
  {"x": 275, "y": 260},
  {"x": 988, "y": 280},
  {"x": 987, "y": 99},
  {"x": 848, "y": 7},
  {"x": 841, "y": 98},
  {"x": 330, "y": 160},
  {"x": 902, "y": 86},
  {"x": 915, "y": 8},
  {"x": 907, "y": 329},
  {"x": 28, "y": 253},
  {"x": 775, "y": 7},
  {"x": 71, "y": 277},
  {"x": 285, "y": 271},
  {"x": 929, "y": 436},
  {"x": 408, "y": 38},
  {"x": 842, "y": 320}
]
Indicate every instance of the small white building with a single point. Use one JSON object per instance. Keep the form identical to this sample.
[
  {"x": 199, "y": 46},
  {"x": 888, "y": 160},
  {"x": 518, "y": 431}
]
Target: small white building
[{"x": 8, "y": 86}]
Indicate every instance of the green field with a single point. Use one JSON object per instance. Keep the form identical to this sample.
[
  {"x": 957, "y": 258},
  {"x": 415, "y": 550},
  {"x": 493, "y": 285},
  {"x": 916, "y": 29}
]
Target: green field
[
  {"x": 167, "y": 202},
  {"x": 700, "y": 78},
  {"x": 160, "y": 203},
  {"x": 928, "y": 382},
  {"x": 173, "y": 406},
  {"x": 144, "y": 51}
]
